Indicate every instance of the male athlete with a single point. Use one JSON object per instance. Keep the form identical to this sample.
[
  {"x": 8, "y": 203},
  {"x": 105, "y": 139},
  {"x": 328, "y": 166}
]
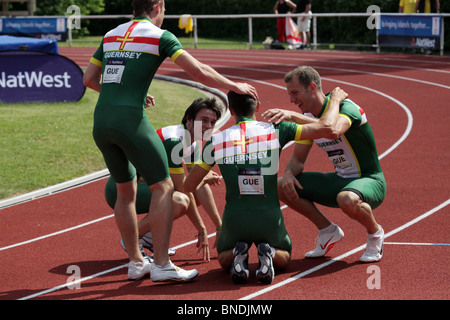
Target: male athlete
[
  {"x": 121, "y": 70},
  {"x": 247, "y": 154},
  {"x": 182, "y": 148},
  {"x": 357, "y": 186}
]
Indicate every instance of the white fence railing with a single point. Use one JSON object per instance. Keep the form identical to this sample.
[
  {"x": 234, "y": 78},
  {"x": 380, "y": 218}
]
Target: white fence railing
[{"x": 250, "y": 17}]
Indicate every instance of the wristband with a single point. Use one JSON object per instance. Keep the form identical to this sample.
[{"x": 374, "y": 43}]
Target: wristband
[{"x": 201, "y": 233}]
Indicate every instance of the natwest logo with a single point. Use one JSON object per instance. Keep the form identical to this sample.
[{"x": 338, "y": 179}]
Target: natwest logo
[
  {"x": 31, "y": 76},
  {"x": 34, "y": 80}
]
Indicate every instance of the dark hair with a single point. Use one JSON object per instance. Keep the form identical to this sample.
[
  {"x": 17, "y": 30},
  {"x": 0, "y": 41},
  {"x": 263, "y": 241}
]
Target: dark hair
[
  {"x": 141, "y": 7},
  {"x": 243, "y": 105},
  {"x": 305, "y": 75},
  {"x": 199, "y": 104}
]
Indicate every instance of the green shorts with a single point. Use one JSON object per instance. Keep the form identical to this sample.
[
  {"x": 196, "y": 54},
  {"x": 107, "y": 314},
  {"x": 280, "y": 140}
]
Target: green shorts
[
  {"x": 128, "y": 143},
  {"x": 143, "y": 197},
  {"x": 253, "y": 226},
  {"x": 323, "y": 188}
]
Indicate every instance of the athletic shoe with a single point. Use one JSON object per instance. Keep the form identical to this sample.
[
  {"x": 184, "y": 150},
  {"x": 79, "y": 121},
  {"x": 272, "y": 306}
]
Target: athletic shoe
[
  {"x": 374, "y": 247},
  {"x": 239, "y": 269},
  {"x": 144, "y": 254},
  {"x": 137, "y": 270},
  {"x": 171, "y": 272},
  {"x": 265, "y": 272},
  {"x": 325, "y": 242},
  {"x": 147, "y": 242}
]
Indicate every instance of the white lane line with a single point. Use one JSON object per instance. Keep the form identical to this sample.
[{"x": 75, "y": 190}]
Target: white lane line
[
  {"x": 95, "y": 275},
  {"x": 266, "y": 83},
  {"x": 101, "y": 174},
  {"x": 316, "y": 56},
  {"x": 251, "y": 296},
  {"x": 349, "y": 253},
  {"x": 386, "y": 75},
  {"x": 418, "y": 244},
  {"x": 56, "y": 233}
]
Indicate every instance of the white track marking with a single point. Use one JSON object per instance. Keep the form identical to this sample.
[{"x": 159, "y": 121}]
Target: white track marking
[
  {"x": 308, "y": 271},
  {"x": 418, "y": 244},
  {"x": 101, "y": 174},
  {"x": 95, "y": 275},
  {"x": 342, "y": 256},
  {"x": 267, "y": 289}
]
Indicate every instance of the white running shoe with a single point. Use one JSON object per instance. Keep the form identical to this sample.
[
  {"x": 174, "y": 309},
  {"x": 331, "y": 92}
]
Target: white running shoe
[
  {"x": 325, "y": 242},
  {"x": 171, "y": 272},
  {"x": 374, "y": 247},
  {"x": 138, "y": 270}
]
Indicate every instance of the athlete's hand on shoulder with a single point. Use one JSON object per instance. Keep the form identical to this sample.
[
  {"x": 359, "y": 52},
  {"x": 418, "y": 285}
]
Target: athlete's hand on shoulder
[
  {"x": 338, "y": 94},
  {"x": 149, "y": 101},
  {"x": 276, "y": 115}
]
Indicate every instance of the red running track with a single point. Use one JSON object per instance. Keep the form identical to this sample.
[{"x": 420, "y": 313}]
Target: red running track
[{"x": 406, "y": 100}]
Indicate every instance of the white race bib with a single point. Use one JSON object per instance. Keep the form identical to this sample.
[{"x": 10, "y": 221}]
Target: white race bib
[
  {"x": 251, "y": 181},
  {"x": 113, "y": 71}
]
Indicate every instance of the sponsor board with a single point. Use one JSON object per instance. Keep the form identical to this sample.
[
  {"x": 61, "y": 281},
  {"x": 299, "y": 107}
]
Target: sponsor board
[
  {"x": 410, "y": 31},
  {"x": 44, "y": 28},
  {"x": 31, "y": 76}
]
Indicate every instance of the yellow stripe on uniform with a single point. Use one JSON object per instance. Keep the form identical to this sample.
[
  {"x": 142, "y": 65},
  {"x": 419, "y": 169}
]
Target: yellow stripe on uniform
[
  {"x": 177, "y": 54},
  {"x": 176, "y": 170},
  {"x": 96, "y": 62},
  {"x": 298, "y": 136},
  {"x": 205, "y": 166},
  {"x": 346, "y": 117}
]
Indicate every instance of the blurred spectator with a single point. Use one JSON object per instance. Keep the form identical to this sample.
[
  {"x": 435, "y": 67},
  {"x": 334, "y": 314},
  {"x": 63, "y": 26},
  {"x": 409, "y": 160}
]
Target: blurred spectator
[
  {"x": 407, "y": 6},
  {"x": 283, "y": 7},
  {"x": 304, "y": 23},
  {"x": 428, "y": 6}
]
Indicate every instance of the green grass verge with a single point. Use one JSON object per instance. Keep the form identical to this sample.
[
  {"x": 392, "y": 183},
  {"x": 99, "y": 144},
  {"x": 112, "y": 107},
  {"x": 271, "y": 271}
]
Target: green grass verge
[{"x": 44, "y": 144}]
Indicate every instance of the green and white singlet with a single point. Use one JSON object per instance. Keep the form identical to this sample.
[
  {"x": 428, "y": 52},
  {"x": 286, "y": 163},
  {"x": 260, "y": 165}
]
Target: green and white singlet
[
  {"x": 355, "y": 158},
  {"x": 176, "y": 141},
  {"x": 248, "y": 157},
  {"x": 129, "y": 56},
  {"x": 176, "y": 144}
]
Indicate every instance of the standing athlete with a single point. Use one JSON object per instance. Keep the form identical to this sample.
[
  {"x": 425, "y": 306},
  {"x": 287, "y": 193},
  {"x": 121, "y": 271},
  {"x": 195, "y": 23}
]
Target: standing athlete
[
  {"x": 181, "y": 151},
  {"x": 122, "y": 69},
  {"x": 248, "y": 157},
  {"x": 356, "y": 187}
]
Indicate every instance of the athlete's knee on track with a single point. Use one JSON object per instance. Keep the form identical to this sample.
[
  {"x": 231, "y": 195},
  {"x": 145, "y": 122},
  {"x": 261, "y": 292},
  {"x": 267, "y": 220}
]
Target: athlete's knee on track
[
  {"x": 225, "y": 259},
  {"x": 281, "y": 259}
]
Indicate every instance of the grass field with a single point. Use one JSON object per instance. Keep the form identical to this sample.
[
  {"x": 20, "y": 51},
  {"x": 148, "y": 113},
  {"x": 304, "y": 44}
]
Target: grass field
[{"x": 43, "y": 144}]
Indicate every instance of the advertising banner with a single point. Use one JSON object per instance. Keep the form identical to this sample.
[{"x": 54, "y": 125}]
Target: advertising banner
[
  {"x": 410, "y": 31},
  {"x": 44, "y": 28},
  {"x": 25, "y": 43},
  {"x": 27, "y": 76}
]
